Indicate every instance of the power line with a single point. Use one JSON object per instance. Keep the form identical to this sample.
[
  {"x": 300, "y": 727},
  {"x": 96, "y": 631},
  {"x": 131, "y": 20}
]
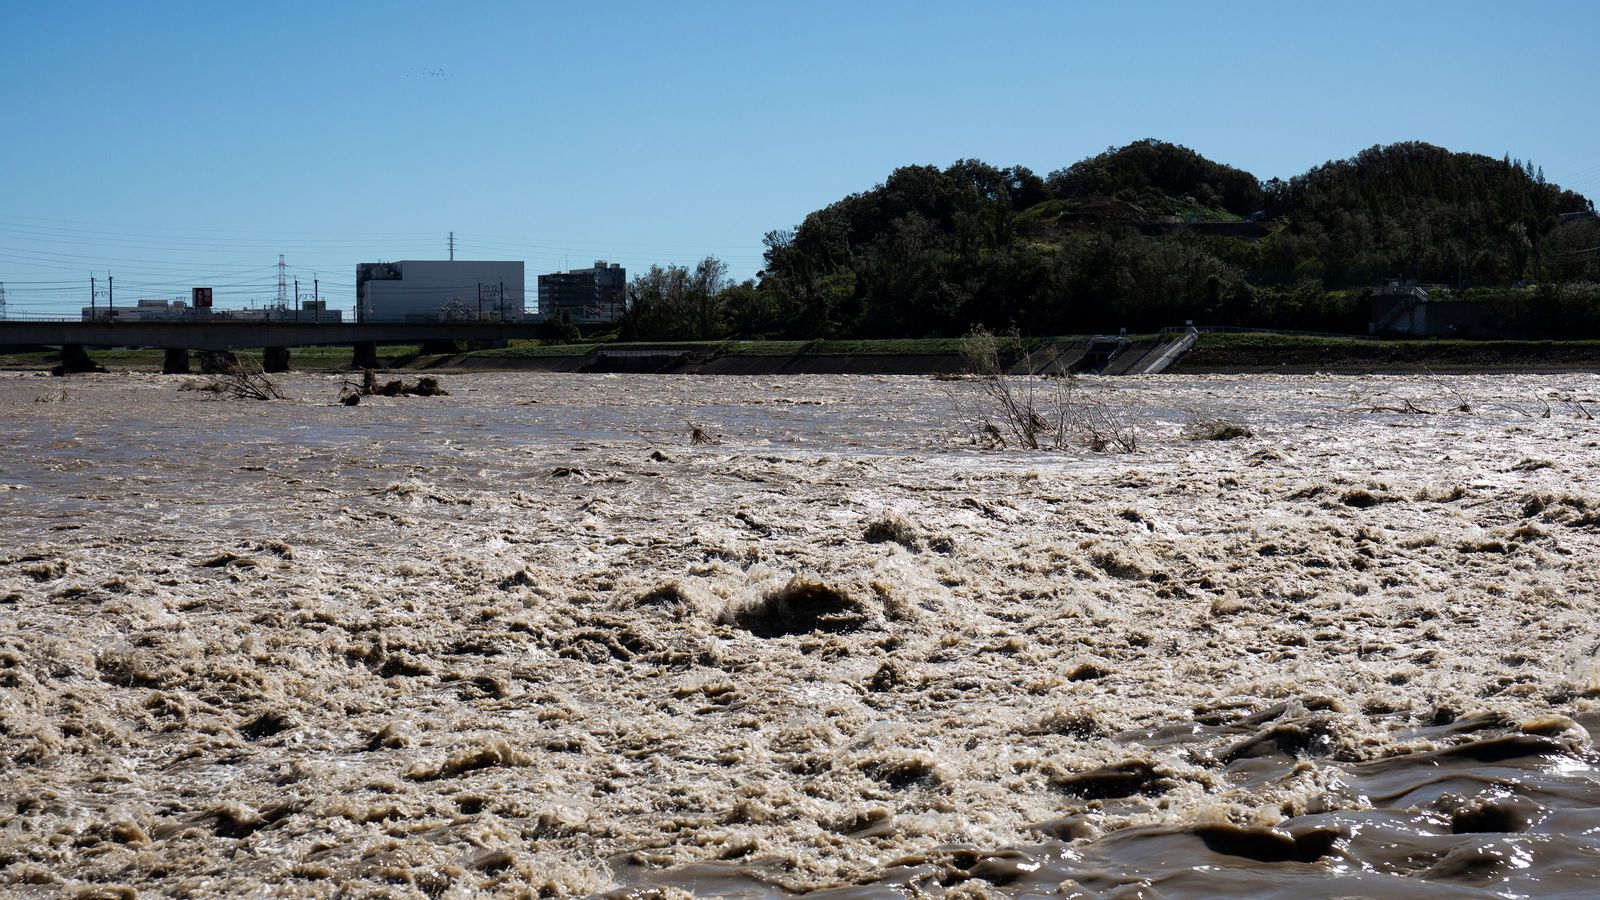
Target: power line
[
  {"x": 271, "y": 233},
  {"x": 1581, "y": 172},
  {"x": 147, "y": 237}
]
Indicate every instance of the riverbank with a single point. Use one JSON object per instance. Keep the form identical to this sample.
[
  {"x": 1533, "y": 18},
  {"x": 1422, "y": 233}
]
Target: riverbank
[
  {"x": 303, "y": 359},
  {"x": 1221, "y": 354},
  {"x": 1216, "y": 353}
]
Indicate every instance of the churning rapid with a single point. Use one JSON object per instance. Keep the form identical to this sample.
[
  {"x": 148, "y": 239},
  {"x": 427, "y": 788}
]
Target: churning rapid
[{"x": 528, "y": 639}]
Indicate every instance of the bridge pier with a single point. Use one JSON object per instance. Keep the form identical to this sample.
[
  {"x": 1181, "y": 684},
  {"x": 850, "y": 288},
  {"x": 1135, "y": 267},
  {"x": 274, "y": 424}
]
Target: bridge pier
[
  {"x": 176, "y": 362},
  {"x": 366, "y": 355},
  {"x": 275, "y": 359},
  {"x": 75, "y": 361},
  {"x": 218, "y": 362},
  {"x": 438, "y": 348}
]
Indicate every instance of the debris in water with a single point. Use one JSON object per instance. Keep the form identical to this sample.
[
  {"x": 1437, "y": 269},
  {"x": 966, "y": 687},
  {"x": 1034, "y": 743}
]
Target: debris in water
[
  {"x": 1116, "y": 781},
  {"x": 892, "y": 527},
  {"x": 801, "y": 606},
  {"x": 1216, "y": 430}
]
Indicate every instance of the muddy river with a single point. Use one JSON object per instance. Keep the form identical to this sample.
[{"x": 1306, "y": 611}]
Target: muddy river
[{"x": 528, "y": 639}]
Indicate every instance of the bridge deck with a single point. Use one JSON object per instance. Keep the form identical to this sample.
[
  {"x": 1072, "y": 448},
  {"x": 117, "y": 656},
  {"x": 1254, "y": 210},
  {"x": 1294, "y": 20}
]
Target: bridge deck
[{"x": 225, "y": 335}]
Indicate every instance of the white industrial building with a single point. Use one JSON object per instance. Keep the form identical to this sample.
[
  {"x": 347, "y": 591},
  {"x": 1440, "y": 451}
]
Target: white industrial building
[
  {"x": 436, "y": 290},
  {"x": 148, "y": 309}
]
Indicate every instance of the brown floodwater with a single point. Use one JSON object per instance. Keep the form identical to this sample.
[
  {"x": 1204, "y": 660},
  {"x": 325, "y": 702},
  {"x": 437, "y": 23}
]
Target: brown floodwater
[{"x": 526, "y": 639}]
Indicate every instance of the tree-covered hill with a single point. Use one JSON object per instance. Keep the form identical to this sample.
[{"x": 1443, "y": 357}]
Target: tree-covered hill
[
  {"x": 1421, "y": 211},
  {"x": 1157, "y": 175},
  {"x": 1141, "y": 236}
]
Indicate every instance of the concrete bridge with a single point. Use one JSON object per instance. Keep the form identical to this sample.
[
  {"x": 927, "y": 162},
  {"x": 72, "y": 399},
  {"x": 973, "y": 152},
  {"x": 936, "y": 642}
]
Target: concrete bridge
[{"x": 180, "y": 337}]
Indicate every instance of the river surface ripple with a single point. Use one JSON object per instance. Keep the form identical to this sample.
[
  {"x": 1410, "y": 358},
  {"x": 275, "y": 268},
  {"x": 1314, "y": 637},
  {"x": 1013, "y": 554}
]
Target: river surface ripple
[{"x": 526, "y": 639}]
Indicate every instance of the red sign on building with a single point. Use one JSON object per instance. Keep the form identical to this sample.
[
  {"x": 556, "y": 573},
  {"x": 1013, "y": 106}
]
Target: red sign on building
[{"x": 202, "y": 298}]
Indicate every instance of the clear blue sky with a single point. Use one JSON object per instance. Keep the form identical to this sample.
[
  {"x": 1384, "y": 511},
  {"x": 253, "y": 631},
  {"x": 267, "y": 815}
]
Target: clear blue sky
[{"x": 177, "y": 144}]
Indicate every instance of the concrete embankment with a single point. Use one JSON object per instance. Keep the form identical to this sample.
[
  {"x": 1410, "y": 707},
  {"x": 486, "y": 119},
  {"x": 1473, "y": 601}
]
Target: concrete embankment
[
  {"x": 1211, "y": 354},
  {"x": 689, "y": 364},
  {"x": 1348, "y": 357},
  {"x": 668, "y": 360}
]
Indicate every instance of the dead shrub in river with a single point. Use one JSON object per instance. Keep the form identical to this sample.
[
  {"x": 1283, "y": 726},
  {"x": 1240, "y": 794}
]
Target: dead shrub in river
[
  {"x": 237, "y": 378},
  {"x": 1452, "y": 400},
  {"x": 1035, "y": 412},
  {"x": 1200, "y": 429},
  {"x": 351, "y": 391}
]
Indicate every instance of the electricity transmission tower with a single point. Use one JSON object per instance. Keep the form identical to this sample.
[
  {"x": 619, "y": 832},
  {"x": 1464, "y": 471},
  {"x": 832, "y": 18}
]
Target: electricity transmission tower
[{"x": 283, "y": 285}]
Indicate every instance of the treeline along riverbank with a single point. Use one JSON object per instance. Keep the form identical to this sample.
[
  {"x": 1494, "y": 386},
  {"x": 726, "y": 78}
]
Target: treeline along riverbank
[{"x": 1149, "y": 235}]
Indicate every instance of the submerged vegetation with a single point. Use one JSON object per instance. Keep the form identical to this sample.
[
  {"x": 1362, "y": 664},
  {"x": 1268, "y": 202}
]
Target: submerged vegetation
[
  {"x": 1032, "y": 412},
  {"x": 351, "y": 391},
  {"x": 236, "y": 378},
  {"x": 1145, "y": 236}
]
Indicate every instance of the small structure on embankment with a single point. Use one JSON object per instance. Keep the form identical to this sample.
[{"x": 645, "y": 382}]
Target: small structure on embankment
[{"x": 1407, "y": 309}]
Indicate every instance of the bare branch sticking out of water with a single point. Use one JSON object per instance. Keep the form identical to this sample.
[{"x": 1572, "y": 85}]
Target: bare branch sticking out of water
[
  {"x": 1579, "y": 411},
  {"x": 1391, "y": 402},
  {"x": 1034, "y": 412},
  {"x": 1104, "y": 429},
  {"x": 1462, "y": 404},
  {"x": 239, "y": 378}
]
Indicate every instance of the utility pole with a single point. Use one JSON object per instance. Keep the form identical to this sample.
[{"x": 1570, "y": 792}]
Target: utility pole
[
  {"x": 452, "y": 246},
  {"x": 91, "y": 298},
  {"x": 502, "y": 301},
  {"x": 316, "y": 294},
  {"x": 2, "y": 301},
  {"x": 297, "y": 299},
  {"x": 480, "y": 301},
  {"x": 111, "y": 294}
]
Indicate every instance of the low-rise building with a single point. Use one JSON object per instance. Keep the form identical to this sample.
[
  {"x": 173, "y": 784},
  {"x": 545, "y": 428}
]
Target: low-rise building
[
  {"x": 147, "y": 309},
  {"x": 309, "y": 311},
  {"x": 157, "y": 310},
  {"x": 584, "y": 296}
]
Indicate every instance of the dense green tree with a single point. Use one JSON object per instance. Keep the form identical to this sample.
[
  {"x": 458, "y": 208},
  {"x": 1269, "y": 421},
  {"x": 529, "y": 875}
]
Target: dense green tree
[
  {"x": 1158, "y": 174},
  {"x": 1139, "y": 237},
  {"x": 1419, "y": 211}
]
